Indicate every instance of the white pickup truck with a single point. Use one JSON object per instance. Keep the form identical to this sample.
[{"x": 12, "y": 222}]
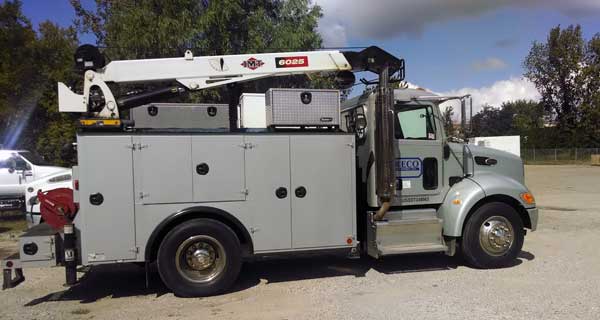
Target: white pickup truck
[{"x": 17, "y": 168}]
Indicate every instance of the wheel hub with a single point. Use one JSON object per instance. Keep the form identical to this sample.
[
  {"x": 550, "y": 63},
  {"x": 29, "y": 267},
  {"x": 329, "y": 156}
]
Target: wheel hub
[
  {"x": 496, "y": 235},
  {"x": 200, "y": 258}
]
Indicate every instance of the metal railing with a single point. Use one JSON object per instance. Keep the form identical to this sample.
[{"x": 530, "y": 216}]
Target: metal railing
[{"x": 558, "y": 155}]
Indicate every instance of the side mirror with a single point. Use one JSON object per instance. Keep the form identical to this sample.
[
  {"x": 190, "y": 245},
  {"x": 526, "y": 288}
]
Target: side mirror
[
  {"x": 361, "y": 122},
  {"x": 467, "y": 161},
  {"x": 68, "y": 152},
  {"x": 12, "y": 164}
]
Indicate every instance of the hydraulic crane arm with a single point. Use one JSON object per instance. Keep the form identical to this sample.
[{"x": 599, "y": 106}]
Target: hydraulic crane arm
[{"x": 196, "y": 73}]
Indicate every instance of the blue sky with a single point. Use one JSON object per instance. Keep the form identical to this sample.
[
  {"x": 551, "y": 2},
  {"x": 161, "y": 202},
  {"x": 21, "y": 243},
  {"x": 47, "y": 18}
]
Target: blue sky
[{"x": 450, "y": 46}]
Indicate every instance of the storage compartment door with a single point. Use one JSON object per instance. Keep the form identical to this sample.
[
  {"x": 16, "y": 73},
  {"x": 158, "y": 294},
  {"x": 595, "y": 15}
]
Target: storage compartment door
[
  {"x": 106, "y": 198},
  {"x": 268, "y": 182},
  {"x": 218, "y": 168},
  {"x": 323, "y": 190},
  {"x": 163, "y": 169}
]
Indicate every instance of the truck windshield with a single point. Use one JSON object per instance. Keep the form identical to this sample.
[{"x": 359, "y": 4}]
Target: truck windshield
[
  {"x": 34, "y": 158},
  {"x": 414, "y": 122}
]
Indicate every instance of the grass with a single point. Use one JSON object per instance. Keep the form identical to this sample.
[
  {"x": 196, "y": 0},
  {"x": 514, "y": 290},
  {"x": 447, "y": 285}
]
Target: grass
[{"x": 12, "y": 221}]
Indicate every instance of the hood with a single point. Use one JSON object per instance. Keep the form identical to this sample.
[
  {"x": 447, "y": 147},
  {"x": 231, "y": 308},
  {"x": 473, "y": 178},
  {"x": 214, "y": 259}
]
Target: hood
[
  {"x": 49, "y": 173},
  {"x": 507, "y": 164},
  {"x": 44, "y": 171}
]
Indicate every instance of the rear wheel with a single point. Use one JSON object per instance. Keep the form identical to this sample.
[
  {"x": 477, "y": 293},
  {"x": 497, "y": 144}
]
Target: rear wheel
[
  {"x": 199, "y": 257},
  {"x": 493, "y": 236}
]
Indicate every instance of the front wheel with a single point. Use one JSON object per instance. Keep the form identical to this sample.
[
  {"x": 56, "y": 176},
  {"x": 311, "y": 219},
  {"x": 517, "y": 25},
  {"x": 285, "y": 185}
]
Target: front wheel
[
  {"x": 493, "y": 236},
  {"x": 199, "y": 257}
]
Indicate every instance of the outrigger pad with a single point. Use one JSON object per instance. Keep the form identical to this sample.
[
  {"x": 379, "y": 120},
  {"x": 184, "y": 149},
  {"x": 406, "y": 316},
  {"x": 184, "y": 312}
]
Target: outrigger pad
[{"x": 8, "y": 282}]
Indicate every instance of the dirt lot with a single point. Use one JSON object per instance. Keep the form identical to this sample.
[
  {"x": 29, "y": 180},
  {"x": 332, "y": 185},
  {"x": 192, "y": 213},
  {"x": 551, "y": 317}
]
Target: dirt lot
[{"x": 556, "y": 277}]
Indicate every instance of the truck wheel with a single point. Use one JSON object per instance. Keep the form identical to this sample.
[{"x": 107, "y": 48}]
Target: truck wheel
[
  {"x": 493, "y": 236},
  {"x": 199, "y": 257}
]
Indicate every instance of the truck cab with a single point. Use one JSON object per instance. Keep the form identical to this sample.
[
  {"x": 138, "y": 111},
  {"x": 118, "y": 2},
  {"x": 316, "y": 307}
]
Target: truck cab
[
  {"x": 17, "y": 168},
  {"x": 440, "y": 185}
]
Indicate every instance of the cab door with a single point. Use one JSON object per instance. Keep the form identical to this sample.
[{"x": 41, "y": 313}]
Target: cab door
[
  {"x": 418, "y": 162},
  {"x": 9, "y": 177}
]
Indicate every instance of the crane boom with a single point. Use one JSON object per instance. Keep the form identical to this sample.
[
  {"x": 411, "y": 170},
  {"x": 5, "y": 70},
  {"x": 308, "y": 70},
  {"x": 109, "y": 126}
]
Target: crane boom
[{"x": 197, "y": 73}]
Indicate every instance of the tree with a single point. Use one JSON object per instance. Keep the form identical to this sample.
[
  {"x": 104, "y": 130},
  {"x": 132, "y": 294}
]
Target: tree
[
  {"x": 527, "y": 121},
  {"x": 491, "y": 121},
  {"x": 51, "y": 130},
  {"x": 16, "y": 66},
  {"x": 590, "y": 107},
  {"x": 448, "y": 123},
  {"x": 564, "y": 69},
  {"x": 30, "y": 65},
  {"x": 135, "y": 29}
]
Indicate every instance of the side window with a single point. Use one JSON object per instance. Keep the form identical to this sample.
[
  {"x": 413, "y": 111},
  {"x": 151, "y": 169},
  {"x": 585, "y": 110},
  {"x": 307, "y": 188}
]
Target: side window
[
  {"x": 414, "y": 123},
  {"x": 21, "y": 164}
]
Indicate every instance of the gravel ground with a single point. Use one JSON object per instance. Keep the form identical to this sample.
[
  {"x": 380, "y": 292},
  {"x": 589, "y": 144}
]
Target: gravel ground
[{"x": 557, "y": 276}]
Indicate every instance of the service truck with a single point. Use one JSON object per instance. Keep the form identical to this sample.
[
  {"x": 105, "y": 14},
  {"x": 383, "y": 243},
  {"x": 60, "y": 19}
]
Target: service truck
[{"x": 376, "y": 176}]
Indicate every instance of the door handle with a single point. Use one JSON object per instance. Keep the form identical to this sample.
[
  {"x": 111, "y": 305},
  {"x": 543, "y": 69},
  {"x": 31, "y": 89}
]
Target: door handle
[
  {"x": 96, "y": 198},
  {"x": 281, "y": 192},
  {"x": 202, "y": 169},
  {"x": 300, "y": 192}
]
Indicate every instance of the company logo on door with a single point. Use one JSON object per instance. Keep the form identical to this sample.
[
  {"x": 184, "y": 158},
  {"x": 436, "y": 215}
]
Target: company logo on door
[
  {"x": 409, "y": 167},
  {"x": 292, "y": 62}
]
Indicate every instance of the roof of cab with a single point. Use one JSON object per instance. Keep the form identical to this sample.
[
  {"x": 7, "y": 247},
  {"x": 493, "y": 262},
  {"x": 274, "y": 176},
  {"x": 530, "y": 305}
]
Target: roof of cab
[{"x": 399, "y": 95}]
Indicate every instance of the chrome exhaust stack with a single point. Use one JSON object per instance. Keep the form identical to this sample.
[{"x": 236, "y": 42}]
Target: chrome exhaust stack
[{"x": 384, "y": 143}]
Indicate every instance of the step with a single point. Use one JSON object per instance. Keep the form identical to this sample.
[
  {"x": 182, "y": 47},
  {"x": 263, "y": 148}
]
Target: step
[
  {"x": 392, "y": 250},
  {"x": 408, "y": 221}
]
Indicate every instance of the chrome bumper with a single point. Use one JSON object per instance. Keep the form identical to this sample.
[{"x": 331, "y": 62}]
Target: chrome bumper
[{"x": 533, "y": 217}]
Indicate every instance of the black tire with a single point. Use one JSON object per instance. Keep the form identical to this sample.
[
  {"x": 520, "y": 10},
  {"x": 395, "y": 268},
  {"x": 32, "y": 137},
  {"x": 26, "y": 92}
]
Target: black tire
[
  {"x": 486, "y": 254},
  {"x": 176, "y": 273}
]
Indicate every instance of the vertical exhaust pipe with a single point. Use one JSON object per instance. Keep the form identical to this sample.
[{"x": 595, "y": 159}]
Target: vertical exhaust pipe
[{"x": 384, "y": 143}]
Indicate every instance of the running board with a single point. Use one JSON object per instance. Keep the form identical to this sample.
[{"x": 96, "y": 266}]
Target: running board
[
  {"x": 403, "y": 234},
  {"x": 391, "y": 250}
]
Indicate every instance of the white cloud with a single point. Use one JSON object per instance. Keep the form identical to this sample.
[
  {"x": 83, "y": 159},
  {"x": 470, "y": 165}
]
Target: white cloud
[
  {"x": 380, "y": 19},
  {"x": 491, "y": 63},
  {"x": 494, "y": 95}
]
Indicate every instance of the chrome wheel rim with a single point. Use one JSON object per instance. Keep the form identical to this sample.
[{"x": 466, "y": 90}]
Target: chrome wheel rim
[
  {"x": 200, "y": 258},
  {"x": 496, "y": 235}
]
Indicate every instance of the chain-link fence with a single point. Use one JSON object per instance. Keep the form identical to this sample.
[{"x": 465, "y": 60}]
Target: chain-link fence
[{"x": 558, "y": 155}]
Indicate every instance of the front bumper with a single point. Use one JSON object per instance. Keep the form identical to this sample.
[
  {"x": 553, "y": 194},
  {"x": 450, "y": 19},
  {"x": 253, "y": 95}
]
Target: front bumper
[{"x": 533, "y": 217}]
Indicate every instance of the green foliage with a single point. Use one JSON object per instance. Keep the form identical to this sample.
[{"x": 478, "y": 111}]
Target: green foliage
[
  {"x": 520, "y": 117},
  {"x": 448, "y": 123},
  {"x": 30, "y": 65},
  {"x": 565, "y": 70},
  {"x": 16, "y": 59},
  {"x": 135, "y": 29},
  {"x": 491, "y": 121}
]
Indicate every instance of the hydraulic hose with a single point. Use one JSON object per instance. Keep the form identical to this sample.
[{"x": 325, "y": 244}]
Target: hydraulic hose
[{"x": 385, "y": 206}]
